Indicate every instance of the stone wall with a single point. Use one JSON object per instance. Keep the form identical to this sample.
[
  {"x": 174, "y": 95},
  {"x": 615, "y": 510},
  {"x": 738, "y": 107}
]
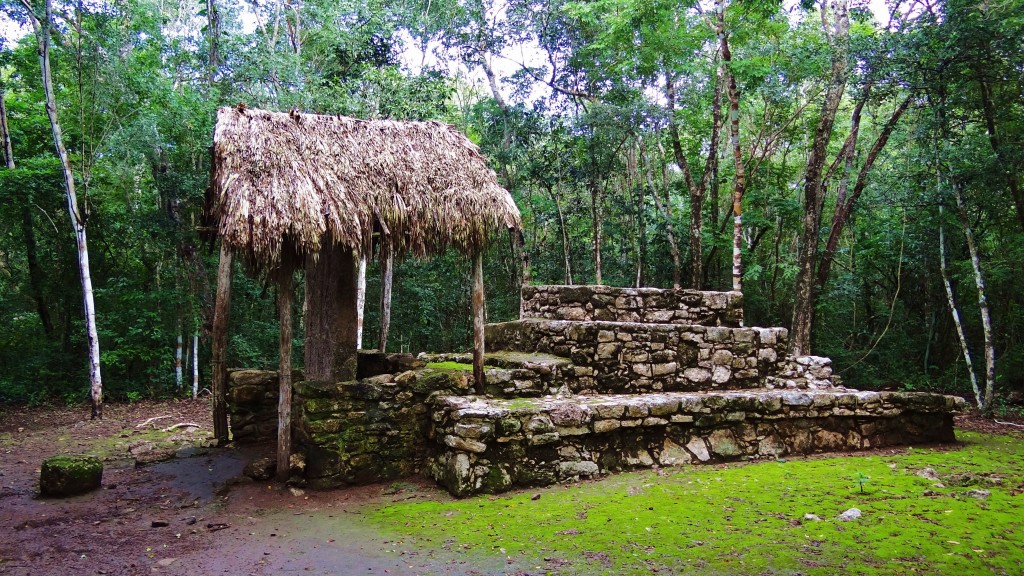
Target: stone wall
[
  {"x": 369, "y": 430},
  {"x": 488, "y": 446},
  {"x": 648, "y": 305},
  {"x": 252, "y": 404},
  {"x": 617, "y": 357},
  {"x": 380, "y": 428}
]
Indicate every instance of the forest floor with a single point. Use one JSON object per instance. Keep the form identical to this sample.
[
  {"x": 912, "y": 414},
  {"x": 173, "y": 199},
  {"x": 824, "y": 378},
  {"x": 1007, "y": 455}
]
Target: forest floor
[{"x": 172, "y": 504}]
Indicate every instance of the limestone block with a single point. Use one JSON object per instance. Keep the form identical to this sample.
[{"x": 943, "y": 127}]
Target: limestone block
[
  {"x": 721, "y": 375},
  {"x": 721, "y": 358},
  {"x": 577, "y": 469},
  {"x": 606, "y": 426},
  {"x": 697, "y": 375},
  {"x": 673, "y": 454},
  {"x": 465, "y": 445},
  {"x": 664, "y": 369},
  {"x": 474, "y": 431},
  {"x": 698, "y": 448}
]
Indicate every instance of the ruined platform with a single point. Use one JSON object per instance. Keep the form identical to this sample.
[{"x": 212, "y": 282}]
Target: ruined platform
[
  {"x": 591, "y": 380},
  {"x": 492, "y": 445}
]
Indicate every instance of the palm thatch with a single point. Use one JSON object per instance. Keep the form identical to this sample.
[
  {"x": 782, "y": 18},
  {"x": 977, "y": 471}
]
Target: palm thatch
[{"x": 286, "y": 182}]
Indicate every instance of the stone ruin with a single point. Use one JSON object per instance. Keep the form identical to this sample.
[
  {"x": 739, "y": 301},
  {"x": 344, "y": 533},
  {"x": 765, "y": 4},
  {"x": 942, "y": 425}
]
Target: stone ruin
[{"x": 590, "y": 380}]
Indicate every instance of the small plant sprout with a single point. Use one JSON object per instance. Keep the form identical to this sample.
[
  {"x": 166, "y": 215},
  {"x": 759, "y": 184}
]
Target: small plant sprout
[{"x": 861, "y": 478}]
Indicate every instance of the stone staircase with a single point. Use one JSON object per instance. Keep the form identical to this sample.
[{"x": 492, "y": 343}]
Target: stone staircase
[{"x": 617, "y": 378}]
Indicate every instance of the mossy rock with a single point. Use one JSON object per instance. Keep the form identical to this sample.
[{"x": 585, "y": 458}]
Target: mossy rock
[{"x": 70, "y": 475}]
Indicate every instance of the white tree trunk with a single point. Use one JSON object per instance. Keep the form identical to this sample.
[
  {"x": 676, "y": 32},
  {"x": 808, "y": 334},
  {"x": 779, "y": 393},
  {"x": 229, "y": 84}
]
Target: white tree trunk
[
  {"x": 178, "y": 357},
  {"x": 956, "y": 313},
  {"x": 986, "y": 321},
  {"x": 195, "y": 365},
  {"x": 41, "y": 27},
  {"x": 360, "y": 301}
]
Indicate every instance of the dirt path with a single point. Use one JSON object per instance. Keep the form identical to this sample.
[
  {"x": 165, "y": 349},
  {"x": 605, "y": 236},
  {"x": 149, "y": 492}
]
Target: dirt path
[{"x": 171, "y": 504}]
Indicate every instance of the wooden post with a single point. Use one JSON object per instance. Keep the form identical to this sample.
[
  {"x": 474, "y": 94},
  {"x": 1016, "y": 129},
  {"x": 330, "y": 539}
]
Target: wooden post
[
  {"x": 387, "y": 270},
  {"x": 221, "y": 312},
  {"x": 284, "y": 377},
  {"x": 360, "y": 302},
  {"x": 478, "y": 322}
]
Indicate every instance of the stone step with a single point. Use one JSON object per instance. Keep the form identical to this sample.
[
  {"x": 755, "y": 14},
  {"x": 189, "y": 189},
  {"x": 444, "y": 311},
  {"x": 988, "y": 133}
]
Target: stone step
[
  {"x": 630, "y": 357},
  {"x": 652, "y": 305},
  {"x": 512, "y": 374},
  {"x": 492, "y": 445}
]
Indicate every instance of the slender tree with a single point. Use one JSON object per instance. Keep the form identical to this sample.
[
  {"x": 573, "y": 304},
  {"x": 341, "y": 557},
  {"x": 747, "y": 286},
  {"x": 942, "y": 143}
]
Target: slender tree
[{"x": 41, "y": 26}]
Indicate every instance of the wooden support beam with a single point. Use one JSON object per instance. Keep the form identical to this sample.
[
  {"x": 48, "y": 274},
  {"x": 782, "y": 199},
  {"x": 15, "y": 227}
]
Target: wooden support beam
[
  {"x": 387, "y": 267},
  {"x": 478, "y": 322},
  {"x": 284, "y": 376},
  {"x": 219, "y": 373}
]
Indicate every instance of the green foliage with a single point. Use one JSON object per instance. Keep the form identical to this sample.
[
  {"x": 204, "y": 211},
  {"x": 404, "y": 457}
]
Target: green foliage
[{"x": 136, "y": 96}]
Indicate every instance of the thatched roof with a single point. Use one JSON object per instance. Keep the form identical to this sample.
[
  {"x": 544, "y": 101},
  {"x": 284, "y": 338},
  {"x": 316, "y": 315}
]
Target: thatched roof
[{"x": 290, "y": 178}]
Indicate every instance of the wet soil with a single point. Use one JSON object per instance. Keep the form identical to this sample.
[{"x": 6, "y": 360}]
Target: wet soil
[{"x": 182, "y": 507}]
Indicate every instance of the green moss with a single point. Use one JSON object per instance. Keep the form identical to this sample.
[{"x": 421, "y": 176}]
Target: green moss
[
  {"x": 68, "y": 475},
  {"x": 450, "y": 366},
  {"x": 749, "y": 519}
]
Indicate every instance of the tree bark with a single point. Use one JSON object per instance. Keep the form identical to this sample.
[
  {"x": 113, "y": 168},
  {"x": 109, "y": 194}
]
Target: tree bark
[
  {"x": 803, "y": 309},
  {"x": 195, "y": 364},
  {"x": 219, "y": 344},
  {"x": 595, "y": 213},
  {"x": 479, "y": 380},
  {"x": 673, "y": 244},
  {"x": 943, "y": 270},
  {"x": 387, "y": 267},
  {"x": 739, "y": 181},
  {"x": 284, "y": 376},
  {"x": 565, "y": 237},
  {"x": 179, "y": 350},
  {"x": 41, "y": 27},
  {"x": 330, "y": 344},
  {"x": 360, "y": 301},
  {"x": 844, "y": 204},
  {"x": 986, "y": 320},
  {"x": 1010, "y": 171}
]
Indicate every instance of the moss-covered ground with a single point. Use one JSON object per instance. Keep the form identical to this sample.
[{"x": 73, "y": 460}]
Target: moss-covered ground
[{"x": 750, "y": 519}]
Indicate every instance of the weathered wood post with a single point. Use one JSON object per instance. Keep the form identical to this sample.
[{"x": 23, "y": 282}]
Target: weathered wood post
[
  {"x": 478, "y": 321},
  {"x": 284, "y": 376},
  {"x": 221, "y": 312},
  {"x": 387, "y": 261}
]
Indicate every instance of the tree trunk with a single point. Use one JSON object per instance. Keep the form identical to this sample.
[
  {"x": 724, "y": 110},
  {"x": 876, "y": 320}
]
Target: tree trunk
[
  {"x": 195, "y": 364},
  {"x": 595, "y": 213},
  {"x": 387, "y": 267},
  {"x": 360, "y": 302},
  {"x": 803, "y": 309},
  {"x": 986, "y": 321},
  {"x": 179, "y": 349},
  {"x": 565, "y": 237},
  {"x": 330, "y": 345},
  {"x": 286, "y": 289},
  {"x": 219, "y": 344},
  {"x": 479, "y": 380},
  {"x": 955, "y": 313},
  {"x": 1007, "y": 164},
  {"x": 42, "y": 32},
  {"x": 844, "y": 205},
  {"x": 739, "y": 182}
]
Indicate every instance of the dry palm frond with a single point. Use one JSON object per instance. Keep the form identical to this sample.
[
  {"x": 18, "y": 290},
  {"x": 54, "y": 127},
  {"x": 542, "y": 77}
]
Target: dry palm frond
[{"x": 284, "y": 183}]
